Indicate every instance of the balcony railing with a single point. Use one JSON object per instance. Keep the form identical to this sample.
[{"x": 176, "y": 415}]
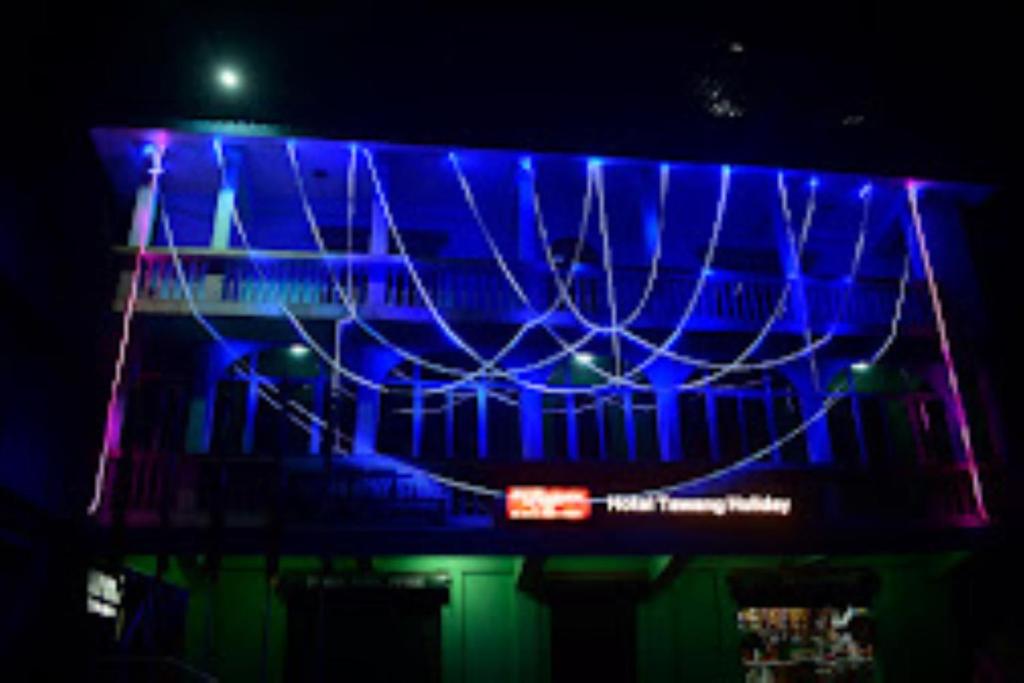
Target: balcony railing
[
  {"x": 198, "y": 491},
  {"x": 230, "y": 283}
]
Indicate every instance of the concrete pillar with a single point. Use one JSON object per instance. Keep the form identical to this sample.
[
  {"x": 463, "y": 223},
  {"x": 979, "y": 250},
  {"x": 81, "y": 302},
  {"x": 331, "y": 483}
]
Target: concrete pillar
[
  {"x": 212, "y": 363},
  {"x": 529, "y": 248},
  {"x": 315, "y": 430},
  {"x": 449, "y": 424},
  {"x": 787, "y": 238},
  {"x": 220, "y": 237},
  {"x": 602, "y": 436},
  {"x": 481, "y": 421},
  {"x": 819, "y": 443},
  {"x": 367, "y": 416},
  {"x": 531, "y": 424},
  {"x": 571, "y": 427},
  {"x": 667, "y": 407},
  {"x": 144, "y": 211},
  {"x": 374, "y": 363},
  {"x": 377, "y": 285},
  {"x": 417, "y": 413},
  {"x": 252, "y": 400},
  {"x": 629, "y": 424}
]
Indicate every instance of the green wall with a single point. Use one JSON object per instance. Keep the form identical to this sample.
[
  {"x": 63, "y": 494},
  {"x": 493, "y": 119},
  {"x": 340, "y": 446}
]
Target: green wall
[{"x": 494, "y": 633}]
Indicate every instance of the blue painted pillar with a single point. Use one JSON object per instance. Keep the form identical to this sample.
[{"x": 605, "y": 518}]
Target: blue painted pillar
[
  {"x": 144, "y": 210},
  {"x": 449, "y": 424},
  {"x": 571, "y": 427},
  {"x": 481, "y": 420},
  {"x": 665, "y": 376},
  {"x": 417, "y": 413},
  {"x": 367, "y": 416},
  {"x": 220, "y": 237},
  {"x": 819, "y": 443},
  {"x": 211, "y": 363},
  {"x": 376, "y": 291},
  {"x": 602, "y": 437},
  {"x": 711, "y": 414},
  {"x": 667, "y": 415},
  {"x": 529, "y": 243},
  {"x": 316, "y": 432},
  {"x": 531, "y": 424},
  {"x": 373, "y": 363},
  {"x": 787, "y": 237},
  {"x": 629, "y": 424},
  {"x": 252, "y": 401}
]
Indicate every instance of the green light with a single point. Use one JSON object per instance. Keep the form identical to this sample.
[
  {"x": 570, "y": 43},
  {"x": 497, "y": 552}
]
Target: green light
[
  {"x": 229, "y": 78},
  {"x": 860, "y": 366},
  {"x": 583, "y": 358},
  {"x": 298, "y": 350}
]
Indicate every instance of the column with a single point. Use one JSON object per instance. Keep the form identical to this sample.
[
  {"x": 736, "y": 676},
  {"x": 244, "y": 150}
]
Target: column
[
  {"x": 144, "y": 211},
  {"x": 449, "y": 424},
  {"x": 481, "y": 420},
  {"x": 571, "y": 427},
  {"x": 199, "y": 434},
  {"x": 378, "y": 247},
  {"x": 252, "y": 400},
  {"x": 787, "y": 237},
  {"x": 711, "y": 417},
  {"x": 531, "y": 424},
  {"x": 629, "y": 424},
  {"x": 220, "y": 237},
  {"x": 669, "y": 442},
  {"x": 819, "y": 444},
  {"x": 367, "y": 415},
  {"x": 417, "y": 413},
  {"x": 315, "y": 430}
]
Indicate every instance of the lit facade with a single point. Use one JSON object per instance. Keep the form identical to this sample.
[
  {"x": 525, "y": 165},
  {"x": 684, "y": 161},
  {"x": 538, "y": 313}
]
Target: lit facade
[{"x": 524, "y": 378}]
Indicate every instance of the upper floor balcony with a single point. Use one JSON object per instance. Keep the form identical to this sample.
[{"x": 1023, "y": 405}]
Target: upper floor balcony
[{"x": 308, "y": 285}]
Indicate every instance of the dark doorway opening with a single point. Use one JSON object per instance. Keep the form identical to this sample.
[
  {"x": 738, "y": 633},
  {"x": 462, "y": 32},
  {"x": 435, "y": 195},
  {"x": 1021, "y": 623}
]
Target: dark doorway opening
[
  {"x": 368, "y": 635},
  {"x": 593, "y": 638}
]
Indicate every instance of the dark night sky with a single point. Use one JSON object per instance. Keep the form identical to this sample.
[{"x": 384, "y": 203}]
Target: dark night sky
[{"x": 933, "y": 86}]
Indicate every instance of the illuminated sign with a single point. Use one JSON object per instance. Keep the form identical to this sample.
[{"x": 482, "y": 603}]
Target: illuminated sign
[
  {"x": 718, "y": 506},
  {"x": 547, "y": 503}
]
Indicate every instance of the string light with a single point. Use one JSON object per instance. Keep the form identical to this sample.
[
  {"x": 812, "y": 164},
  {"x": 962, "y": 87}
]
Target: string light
[
  {"x": 112, "y": 424},
  {"x": 963, "y": 427},
  {"x": 615, "y": 328}
]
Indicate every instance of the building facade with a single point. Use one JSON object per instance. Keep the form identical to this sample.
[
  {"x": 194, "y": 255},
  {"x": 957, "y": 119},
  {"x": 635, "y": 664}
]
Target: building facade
[{"x": 473, "y": 415}]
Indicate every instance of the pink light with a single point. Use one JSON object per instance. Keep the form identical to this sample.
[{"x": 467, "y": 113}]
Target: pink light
[
  {"x": 112, "y": 427},
  {"x": 960, "y": 415}
]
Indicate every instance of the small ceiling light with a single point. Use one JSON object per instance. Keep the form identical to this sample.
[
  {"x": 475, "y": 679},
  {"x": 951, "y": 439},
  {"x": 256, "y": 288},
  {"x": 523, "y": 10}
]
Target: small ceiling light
[
  {"x": 298, "y": 350},
  {"x": 860, "y": 366},
  {"x": 229, "y": 78},
  {"x": 583, "y": 358},
  {"x": 736, "y": 47}
]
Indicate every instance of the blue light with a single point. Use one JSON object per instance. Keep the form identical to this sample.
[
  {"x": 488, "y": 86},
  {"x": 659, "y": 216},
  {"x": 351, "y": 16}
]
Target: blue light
[
  {"x": 726, "y": 169},
  {"x": 594, "y": 161},
  {"x": 148, "y": 149},
  {"x": 813, "y": 182},
  {"x": 525, "y": 163},
  {"x": 865, "y": 190}
]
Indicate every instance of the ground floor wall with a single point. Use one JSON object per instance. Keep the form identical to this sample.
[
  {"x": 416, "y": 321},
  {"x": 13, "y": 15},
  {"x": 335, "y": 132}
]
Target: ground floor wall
[{"x": 495, "y": 631}]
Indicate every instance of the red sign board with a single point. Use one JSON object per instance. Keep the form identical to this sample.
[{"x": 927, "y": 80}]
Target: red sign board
[{"x": 568, "y": 503}]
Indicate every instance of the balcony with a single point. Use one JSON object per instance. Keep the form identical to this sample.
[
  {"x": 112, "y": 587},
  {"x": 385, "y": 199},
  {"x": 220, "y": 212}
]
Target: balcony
[
  {"x": 225, "y": 283},
  {"x": 902, "y": 474}
]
